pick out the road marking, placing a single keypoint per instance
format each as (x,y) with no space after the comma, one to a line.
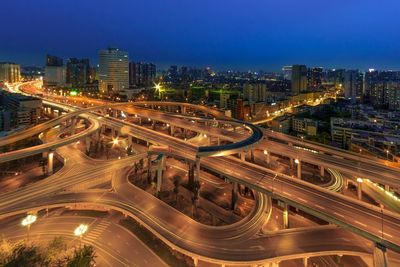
(360,223)
(385,234)
(302,199)
(338,214)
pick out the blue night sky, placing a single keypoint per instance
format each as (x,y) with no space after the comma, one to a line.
(224,34)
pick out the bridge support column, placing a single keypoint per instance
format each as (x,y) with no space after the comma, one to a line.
(195,262)
(387,188)
(274,264)
(172,130)
(218,141)
(87,142)
(305,261)
(130,140)
(266,153)
(322,171)
(243,155)
(50,158)
(234,195)
(285,216)
(160,167)
(380,256)
(153,125)
(148,168)
(359,189)
(197,170)
(298,162)
(252,155)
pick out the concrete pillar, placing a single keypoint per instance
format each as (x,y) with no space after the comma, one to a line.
(359,190)
(299,169)
(183,110)
(172,130)
(130,140)
(305,261)
(153,125)
(197,170)
(291,162)
(285,216)
(50,158)
(268,156)
(380,256)
(387,188)
(160,167)
(218,141)
(322,171)
(195,262)
(234,195)
(87,142)
(252,155)
(243,156)
(148,167)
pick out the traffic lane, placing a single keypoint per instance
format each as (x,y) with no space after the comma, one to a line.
(343,210)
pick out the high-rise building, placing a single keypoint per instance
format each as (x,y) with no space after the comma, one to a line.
(353,85)
(113,71)
(53,61)
(78,72)
(314,78)
(54,72)
(10,72)
(382,88)
(287,72)
(141,74)
(255,92)
(299,79)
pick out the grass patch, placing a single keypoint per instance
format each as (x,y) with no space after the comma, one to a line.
(170,257)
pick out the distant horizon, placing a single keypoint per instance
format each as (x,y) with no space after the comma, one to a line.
(239,35)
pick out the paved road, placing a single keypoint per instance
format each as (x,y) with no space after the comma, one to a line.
(115,245)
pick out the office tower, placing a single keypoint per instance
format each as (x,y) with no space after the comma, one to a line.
(255,92)
(141,74)
(314,78)
(299,79)
(353,85)
(10,72)
(78,72)
(55,72)
(113,71)
(287,72)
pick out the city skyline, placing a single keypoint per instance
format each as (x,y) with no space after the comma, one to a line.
(239,36)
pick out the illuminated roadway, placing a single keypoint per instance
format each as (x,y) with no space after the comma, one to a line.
(347,212)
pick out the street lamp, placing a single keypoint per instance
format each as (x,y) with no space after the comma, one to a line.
(27,221)
(296,161)
(387,154)
(80,230)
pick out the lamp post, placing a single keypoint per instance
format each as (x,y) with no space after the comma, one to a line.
(27,221)
(79,231)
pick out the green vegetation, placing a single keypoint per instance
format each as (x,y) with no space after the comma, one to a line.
(55,253)
(172,258)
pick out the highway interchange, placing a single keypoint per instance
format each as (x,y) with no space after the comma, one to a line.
(217,245)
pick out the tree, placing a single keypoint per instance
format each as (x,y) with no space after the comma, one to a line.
(83,257)
(23,255)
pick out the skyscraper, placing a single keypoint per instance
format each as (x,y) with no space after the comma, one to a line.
(314,78)
(113,71)
(353,85)
(299,78)
(78,72)
(55,73)
(141,74)
(10,72)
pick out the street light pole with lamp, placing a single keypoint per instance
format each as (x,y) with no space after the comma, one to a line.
(79,231)
(27,221)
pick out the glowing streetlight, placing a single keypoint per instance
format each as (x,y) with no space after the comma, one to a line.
(27,221)
(115,141)
(265,152)
(359,180)
(80,230)
(296,161)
